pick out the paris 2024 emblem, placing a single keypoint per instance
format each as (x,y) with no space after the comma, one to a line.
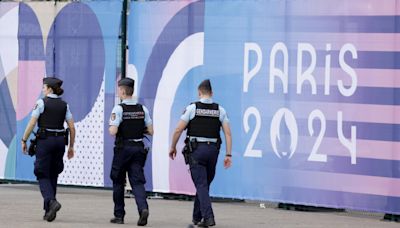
(287,116)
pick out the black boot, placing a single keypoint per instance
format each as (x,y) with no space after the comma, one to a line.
(144,214)
(207,222)
(54,206)
(195,221)
(117,220)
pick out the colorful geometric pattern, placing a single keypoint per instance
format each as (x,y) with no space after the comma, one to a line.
(310,88)
(76,42)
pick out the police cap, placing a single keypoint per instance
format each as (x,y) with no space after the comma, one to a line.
(126,82)
(52,81)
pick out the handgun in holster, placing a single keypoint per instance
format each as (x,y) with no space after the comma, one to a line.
(66,136)
(186,154)
(186,151)
(190,146)
(32,146)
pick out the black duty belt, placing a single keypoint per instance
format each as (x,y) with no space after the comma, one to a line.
(208,143)
(132,143)
(55,133)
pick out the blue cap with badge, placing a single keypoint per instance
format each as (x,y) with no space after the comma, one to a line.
(52,81)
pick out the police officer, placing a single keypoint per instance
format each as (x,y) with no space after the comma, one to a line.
(50,113)
(129,122)
(203,120)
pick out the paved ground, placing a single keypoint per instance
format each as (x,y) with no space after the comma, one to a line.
(20,206)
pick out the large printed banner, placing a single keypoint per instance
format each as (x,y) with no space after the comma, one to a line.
(310,88)
(78,43)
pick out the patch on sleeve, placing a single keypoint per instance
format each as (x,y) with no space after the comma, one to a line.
(36,106)
(184,111)
(113,116)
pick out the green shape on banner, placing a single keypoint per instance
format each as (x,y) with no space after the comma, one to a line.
(9,172)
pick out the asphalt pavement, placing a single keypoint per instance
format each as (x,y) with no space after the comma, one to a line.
(21,206)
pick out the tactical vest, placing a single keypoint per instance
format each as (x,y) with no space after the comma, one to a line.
(132,125)
(206,121)
(53,115)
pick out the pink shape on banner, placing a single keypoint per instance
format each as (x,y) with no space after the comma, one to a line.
(30,75)
(344,8)
(341,182)
(179,175)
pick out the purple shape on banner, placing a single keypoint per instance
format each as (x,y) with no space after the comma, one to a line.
(30,38)
(367,131)
(365,59)
(7,117)
(363,95)
(338,164)
(75,43)
(344,24)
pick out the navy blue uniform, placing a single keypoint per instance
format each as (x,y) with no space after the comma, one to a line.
(129,154)
(51,112)
(204,120)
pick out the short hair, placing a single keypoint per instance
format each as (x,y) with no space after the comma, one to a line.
(205,87)
(128,90)
(127,82)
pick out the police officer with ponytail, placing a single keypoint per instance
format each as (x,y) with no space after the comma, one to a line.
(50,113)
(129,122)
(203,120)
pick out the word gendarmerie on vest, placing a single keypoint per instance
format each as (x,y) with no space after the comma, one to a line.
(207,112)
(133,115)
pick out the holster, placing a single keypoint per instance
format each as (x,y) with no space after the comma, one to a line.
(66,136)
(190,146)
(32,146)
(186,154)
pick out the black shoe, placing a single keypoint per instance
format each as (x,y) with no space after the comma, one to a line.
(144,214)
(117,220)
(54,206)
(387,217)
(391,218)
(207,222)
(45,216)
(195,221)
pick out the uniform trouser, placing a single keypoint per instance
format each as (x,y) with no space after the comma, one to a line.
(48,165)
(129,159)
(202,170)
